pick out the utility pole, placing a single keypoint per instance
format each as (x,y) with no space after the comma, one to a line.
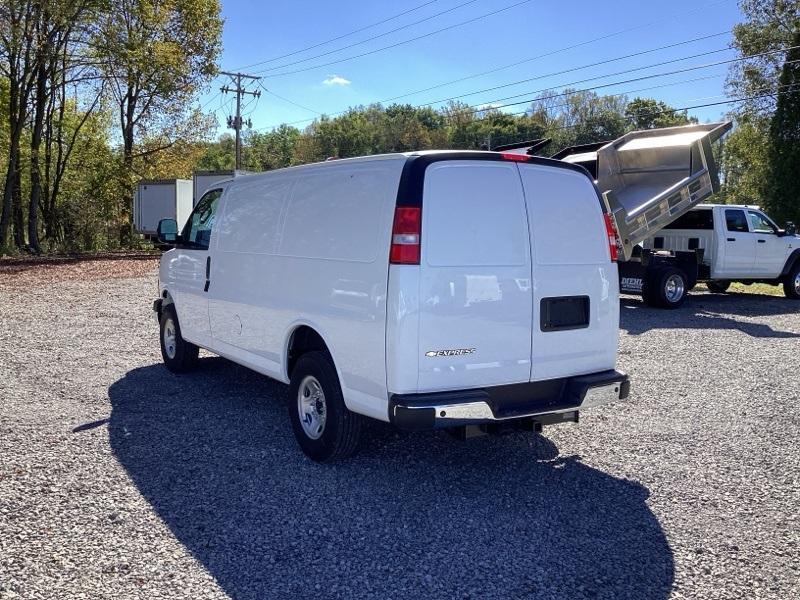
(236,122)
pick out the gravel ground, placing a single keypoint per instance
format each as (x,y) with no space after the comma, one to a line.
(120,480)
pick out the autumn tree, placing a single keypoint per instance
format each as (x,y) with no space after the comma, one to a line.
(17,61)
(156,55)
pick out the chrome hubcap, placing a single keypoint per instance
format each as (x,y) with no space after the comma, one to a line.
(797,283)
(170,338)
(311,407)
(674,288)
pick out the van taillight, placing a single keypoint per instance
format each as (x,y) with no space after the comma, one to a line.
(405,236)
(611,231)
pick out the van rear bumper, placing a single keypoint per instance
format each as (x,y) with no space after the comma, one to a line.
(502,403)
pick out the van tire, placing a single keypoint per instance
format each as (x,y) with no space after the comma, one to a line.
(791,285)
(660,289)
(341,430)
(720,286)
(179,355)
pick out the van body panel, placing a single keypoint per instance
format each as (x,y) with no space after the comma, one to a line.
(571,261)
(402,329)
(475,290)
(309,245)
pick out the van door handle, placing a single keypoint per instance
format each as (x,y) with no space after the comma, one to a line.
(208,273)
(731,239)
(762,241)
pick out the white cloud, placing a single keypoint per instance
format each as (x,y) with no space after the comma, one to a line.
(336,80)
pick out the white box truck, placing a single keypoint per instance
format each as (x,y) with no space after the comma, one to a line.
(203,180)
(158,199)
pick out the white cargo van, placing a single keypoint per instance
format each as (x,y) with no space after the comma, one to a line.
(435,289)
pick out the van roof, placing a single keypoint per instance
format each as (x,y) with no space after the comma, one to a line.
(431,156)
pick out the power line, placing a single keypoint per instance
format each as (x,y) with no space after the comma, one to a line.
(631,80)
(581,67)
(396,44)
(640,114)
(680,15)
(578,68)
(618,94)
(292,102)
(473,109)
(513,83)
(236,122)
(337,38)
(370,39)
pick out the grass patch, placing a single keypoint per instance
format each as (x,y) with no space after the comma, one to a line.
(757,288)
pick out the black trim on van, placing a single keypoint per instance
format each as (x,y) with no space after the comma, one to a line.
(412,181)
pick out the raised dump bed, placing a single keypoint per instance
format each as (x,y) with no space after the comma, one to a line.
(650,178)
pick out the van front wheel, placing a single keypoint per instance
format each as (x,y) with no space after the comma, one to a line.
(179,355)
(325,429)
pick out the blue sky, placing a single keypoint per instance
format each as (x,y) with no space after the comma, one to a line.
(256,32)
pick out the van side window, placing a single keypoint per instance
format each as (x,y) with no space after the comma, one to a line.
(197,231)
(735,220)
(759,223)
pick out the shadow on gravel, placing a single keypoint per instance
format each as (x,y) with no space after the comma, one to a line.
(417,516)
(710,311)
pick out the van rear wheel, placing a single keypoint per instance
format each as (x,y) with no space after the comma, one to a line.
(665,288)
(179,355)
(323,426)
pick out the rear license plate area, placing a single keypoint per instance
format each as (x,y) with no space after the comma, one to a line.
(563,313)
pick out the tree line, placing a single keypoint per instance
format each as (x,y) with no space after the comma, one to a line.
(567,117)
(97,94)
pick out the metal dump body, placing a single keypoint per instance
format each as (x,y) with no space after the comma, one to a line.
(650,178)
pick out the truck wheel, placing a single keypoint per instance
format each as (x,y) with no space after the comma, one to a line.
(179,355)
(719,286)
(325,429)
(791,285)
(665,288)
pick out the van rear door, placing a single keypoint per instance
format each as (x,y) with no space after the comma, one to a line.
(575,286)
(475,277)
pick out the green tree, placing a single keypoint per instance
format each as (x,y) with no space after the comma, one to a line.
(648,113)
(769,26)
(156,55)
(743,163)
(782,184)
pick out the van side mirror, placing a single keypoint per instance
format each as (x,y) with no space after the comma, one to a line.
(167,232)
(790,228)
